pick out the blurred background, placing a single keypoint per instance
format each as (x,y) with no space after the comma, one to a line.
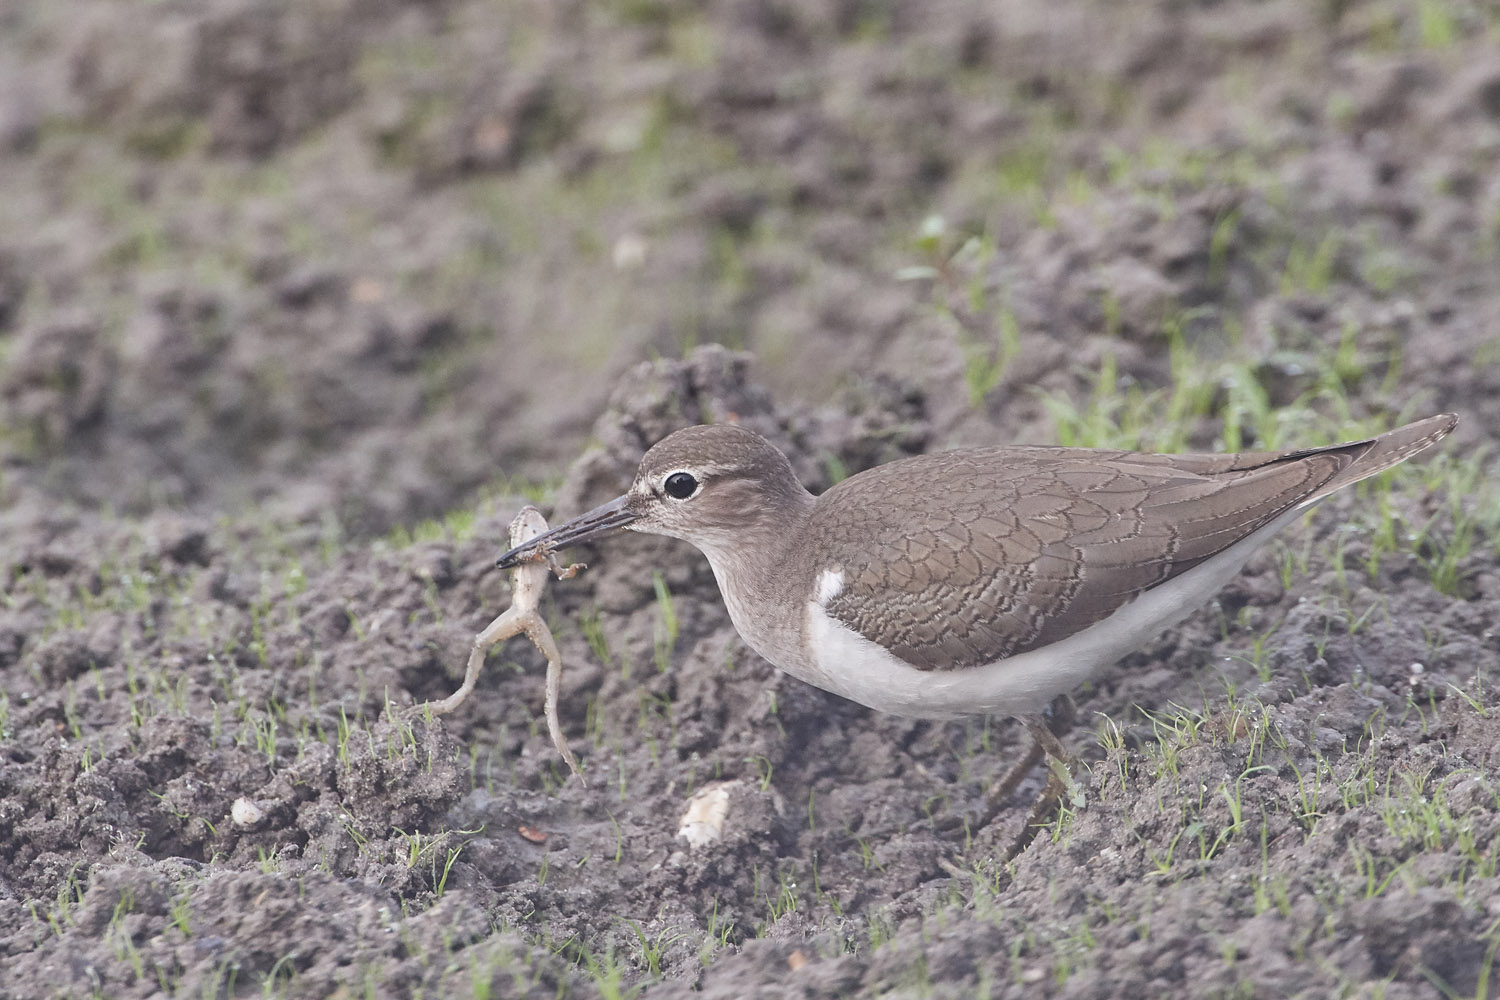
(364,258)
(299,298)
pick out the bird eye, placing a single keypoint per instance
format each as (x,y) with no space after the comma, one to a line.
(680,485)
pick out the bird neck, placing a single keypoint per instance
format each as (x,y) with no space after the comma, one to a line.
(759,574)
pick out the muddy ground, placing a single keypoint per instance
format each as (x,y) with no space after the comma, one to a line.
(299,302)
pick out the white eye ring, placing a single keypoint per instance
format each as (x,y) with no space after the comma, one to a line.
(681,485)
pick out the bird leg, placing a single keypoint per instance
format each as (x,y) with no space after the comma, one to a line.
(522,616)
(1044,728)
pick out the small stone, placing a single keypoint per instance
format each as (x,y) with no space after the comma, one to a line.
(703,822)
(245,813)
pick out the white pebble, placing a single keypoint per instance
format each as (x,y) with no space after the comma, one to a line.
(245,813)
(703,823)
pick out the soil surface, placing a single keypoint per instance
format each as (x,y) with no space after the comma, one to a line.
(301,301)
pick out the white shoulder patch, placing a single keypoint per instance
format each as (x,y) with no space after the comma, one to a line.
(830,585)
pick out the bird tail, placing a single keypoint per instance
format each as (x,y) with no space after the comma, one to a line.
(1375,455)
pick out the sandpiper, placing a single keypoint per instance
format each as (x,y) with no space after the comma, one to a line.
(978,581)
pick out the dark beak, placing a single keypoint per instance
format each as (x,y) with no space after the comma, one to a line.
(582,528)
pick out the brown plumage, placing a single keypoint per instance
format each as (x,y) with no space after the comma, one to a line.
(1030,545)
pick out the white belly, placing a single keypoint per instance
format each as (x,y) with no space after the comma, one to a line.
(848,664)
